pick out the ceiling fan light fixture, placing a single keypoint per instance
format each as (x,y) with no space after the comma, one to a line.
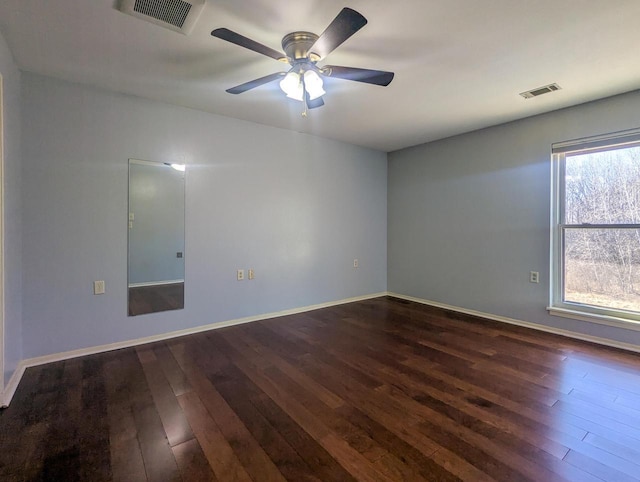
(304,81)
(292,86)
(313,84)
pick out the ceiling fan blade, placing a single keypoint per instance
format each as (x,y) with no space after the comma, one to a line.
(343,26)
(375,77)
(315,103)
(247,43)
(239,89)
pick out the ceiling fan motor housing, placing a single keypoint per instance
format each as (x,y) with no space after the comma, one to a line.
(297,44)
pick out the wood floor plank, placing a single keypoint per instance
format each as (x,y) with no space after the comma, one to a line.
(484,392)
(274,333)
(317,458)
(327,397)
(352,460)
(458,395)
(255,460)
(126,458)
(93,432)
(290,464)
(406,452)
(174,422)
(474,454)
(600,417)
(459,467)
(628,401)
(352,434)
(598,469)
(353,457)
(592,397)
(192,462)
(610,410)
(456,427)
(614,448)
(159,462)
(175,376)
(59,448)
(29,461)
(252,457)
(216,448)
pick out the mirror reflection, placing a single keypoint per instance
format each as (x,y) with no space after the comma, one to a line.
(156,237)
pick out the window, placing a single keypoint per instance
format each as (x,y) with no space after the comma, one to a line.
(596,228)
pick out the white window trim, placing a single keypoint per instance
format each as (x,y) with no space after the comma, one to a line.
(558,307)
(594,318)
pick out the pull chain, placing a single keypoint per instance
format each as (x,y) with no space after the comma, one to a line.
(304,96)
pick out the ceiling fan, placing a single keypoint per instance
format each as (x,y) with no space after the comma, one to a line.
(303,50)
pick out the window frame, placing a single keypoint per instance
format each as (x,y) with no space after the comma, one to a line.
(557,304)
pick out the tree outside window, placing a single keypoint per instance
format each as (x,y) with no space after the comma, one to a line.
(596,251)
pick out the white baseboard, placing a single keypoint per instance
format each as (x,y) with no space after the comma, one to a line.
(11,387)
(156,283)
(525,324)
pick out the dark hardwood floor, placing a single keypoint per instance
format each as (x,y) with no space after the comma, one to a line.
(376,390)
(155,298)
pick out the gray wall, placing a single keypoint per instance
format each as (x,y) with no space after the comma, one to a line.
(12,212)
(468,216)
(156,235)
(295,208)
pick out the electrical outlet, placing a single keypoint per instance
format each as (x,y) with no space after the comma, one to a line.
(240,274)
(355,263)
(98,287)
(251,274)
(534,277)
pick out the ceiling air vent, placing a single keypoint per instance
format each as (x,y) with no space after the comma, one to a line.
(529,94)
(177,15)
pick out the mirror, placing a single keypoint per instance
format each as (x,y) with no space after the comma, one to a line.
(156,237)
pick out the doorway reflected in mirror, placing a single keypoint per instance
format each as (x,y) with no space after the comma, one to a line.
(156,237)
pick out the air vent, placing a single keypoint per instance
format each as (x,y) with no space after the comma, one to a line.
(529,94)
(177,15)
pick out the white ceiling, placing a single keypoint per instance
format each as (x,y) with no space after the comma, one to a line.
(459,64)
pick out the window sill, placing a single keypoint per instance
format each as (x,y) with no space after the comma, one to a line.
(595,318)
